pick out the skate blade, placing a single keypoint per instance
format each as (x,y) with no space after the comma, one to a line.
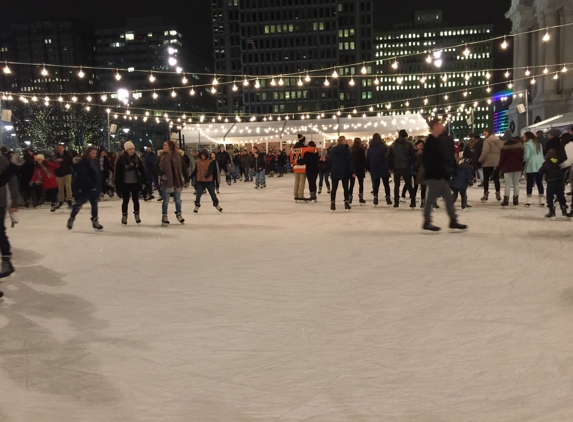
(430,232)
(457,231)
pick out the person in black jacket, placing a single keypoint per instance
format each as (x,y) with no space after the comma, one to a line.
(438,169)
(224,160)
(282,162)
(341,170)
(377,165)
(26,174)
(359,157)
(401,156)
(312,160)
(260,165)
(86,187)
(324,171)
(555,183)
(130,177)
(64,176)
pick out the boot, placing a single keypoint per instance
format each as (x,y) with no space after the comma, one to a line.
(264,185)
(96,225)
(498,196)
(430,228)
(165,220)
(256,186)
(53,208)
(137,219)
(505,202)
(319,191)
(564,210)
(328,190)
(528,201)
(6,269)
(465,202)
(313,197)
(541,200)
(197,206)
(396,201)
(388,201)
(218,208)
(454,225)
(70,224)
(179,218)
(332,206)
(413,203)
(485,197)
(347,206)
(515,201)
(70,203)
(423,203)
(376,201)
(361,200)
(350,200)
(551,213)
(124,219)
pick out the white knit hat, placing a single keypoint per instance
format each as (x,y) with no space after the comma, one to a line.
(128,145)
(40,157)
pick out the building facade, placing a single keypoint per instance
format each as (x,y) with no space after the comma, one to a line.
(281,37)
(428,82)
(548,96)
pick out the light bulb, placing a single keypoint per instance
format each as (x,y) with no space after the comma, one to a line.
(351,82)
(184,80)
(215,81)
(299,83)
(556,76)
(104,98)
(364,70)
(34,98)
(257,84)
(246,82)
(376,81)
(487,75)
(151,78)
(504,43)
(67,105)
(467,77)
(546,37)
(147,113)
(488,89)
(334,74)
(60,99)
(117,75)
(235,87)
(192,92)
(510,85)
(44,72)
(425,101)
(273,82)
(6,68)
(88,108)
(564,69)
(533,81)
(423,80)
(546,71)
(307,78)
(74,98)
(81,73)
(89,99)
(407,103)
(429,59)
(506,74)
(326,83)
(466,52)
(179,69)
(173,94)
(445,78)
(281,81)
(527,72)
(446,97)
(213,90)
(465,93)
(395,65)
(155,95)
(399,80)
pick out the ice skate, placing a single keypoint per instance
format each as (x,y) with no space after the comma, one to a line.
(313,198)
(422,203)
(179,218)
(124,219)
(361,200)
(498,196)
(485,197)
(218,208)
(7,268)
(564,211)
(53,207)
(551,214)
(528,201)
(516,201)
(505,202)
(332,206)
(319,191)
(429,228)
(375,201)
(164,221)
(327,190)
(388,201)
(541,200)
(347,206)
(70,224)
(137,218)
(413,203)
(456,227)
(350,200)
(96,225)
(196,210)
(256,186)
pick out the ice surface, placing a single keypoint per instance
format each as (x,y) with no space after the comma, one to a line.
(276,311)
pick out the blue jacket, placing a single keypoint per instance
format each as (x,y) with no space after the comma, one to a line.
(463,176)
(376,162)
(341,163)
(150,158)
(87,178)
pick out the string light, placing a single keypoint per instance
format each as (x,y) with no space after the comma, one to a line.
(506,74)
(429,59)
(257,84)
(407,103)
(364,70)
(423,80)
(446,97)
(399,80)
(376,81)
(7,70)
(104,98)
(44,72)
(89,98)
(299,83)
(445,77)
(326,83)
(488,89)
(546,37)
(34,98)
(334,74)
(273,82)
(510,85)
(351,82)
(504,43)
(88,108)
(192,92)
(527,72)
(74,98)
(235,88)
(117,75)
(556,75)
(213,90)
(173,94)
(184,80)
(546,71)
(533,81)
(68,106)
(151,77)
(488,75)
(467,77)
(281,81)
(466,52)
(154,95)
(215,81)
(60,99)
(81,73)
(564,69)
(395,64)
(307,78)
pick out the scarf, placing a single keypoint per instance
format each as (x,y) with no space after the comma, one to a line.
(172,179)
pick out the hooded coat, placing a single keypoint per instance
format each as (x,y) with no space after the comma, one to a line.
(401,154)
(511,157)
(341,163)
(491,151)
(376,162)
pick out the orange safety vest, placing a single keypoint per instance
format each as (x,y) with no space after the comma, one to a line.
(298,154)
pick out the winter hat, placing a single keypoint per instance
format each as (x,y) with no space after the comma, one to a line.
(128,145)
(507,136)
(403,134)
(40,157)
(556,133)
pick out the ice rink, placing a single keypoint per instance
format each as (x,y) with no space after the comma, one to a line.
(276,311)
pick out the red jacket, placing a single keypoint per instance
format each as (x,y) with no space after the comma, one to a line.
(511,158)
(44,174)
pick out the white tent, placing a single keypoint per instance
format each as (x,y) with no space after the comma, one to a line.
(562,121)
(318,130)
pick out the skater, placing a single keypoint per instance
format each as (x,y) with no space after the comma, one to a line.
(282,162)
(64,176)
(378,167)
(478,148)
(224,161)
(260,163)
(204,172)
(12,185)
(533,157)
(341,170)
(174,176)
(299,169)
(324,171)
(130,177)
(311,162)
(149,159)
(105,168)
(217,174)
(359,157)
(44,177)
(555,184)
(247,163)
(401,155)
(86,187)
(489,160)
(419,179)
(462,179)
(511,165)
(439,166)
(26,173)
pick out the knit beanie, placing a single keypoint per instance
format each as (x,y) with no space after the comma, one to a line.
(40,157)
(128,145)
(556,133)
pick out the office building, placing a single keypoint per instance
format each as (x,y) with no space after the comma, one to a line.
(281,37)
(433,75)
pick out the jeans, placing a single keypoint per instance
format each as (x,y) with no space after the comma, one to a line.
(407,176)
(535,178)
(345,183)
(248,174)
(153,179)
(299,182)
(437,188)
(323,175)
(376,186)
(201,187)
(176,197)
(556,190)
(360,185)
(127,190)
(480,174)
(311,177)
(260,177)
(81,199)
(281,170)
(4,243)
(512,181)
(488,173)
(65,188)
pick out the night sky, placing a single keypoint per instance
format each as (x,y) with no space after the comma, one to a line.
(194,16)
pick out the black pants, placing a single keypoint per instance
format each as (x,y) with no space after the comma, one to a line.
(81,198)
(463,192)
(405,189)
(407,176)
(345,183)
(376,186)
(556,190)
(311,177)
(127,190)
(4,243)
(52,195)
(209,187)
(360,185)
(422,190)
(490,173)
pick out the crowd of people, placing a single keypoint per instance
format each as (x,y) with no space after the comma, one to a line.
(434,166)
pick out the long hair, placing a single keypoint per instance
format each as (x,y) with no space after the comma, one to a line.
(171,146)
(531,137)
(88,151)
(357,145)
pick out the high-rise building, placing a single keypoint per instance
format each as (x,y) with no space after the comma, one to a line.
(552,93)
(419,70)
(281,37)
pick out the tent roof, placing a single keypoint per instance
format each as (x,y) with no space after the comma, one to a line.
(274,131)
(559,121)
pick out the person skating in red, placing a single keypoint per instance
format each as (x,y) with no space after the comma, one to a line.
(44,177)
